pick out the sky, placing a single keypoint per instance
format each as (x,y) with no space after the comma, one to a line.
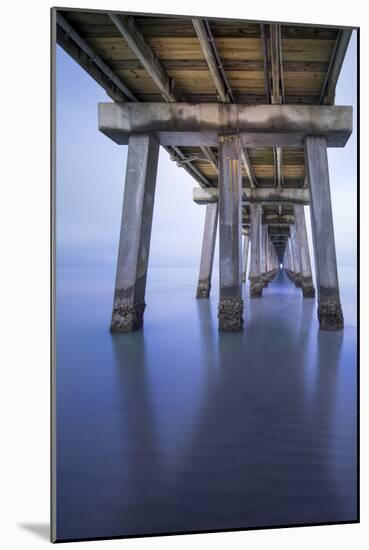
(90,182)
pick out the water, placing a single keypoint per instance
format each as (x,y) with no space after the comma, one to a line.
(179,427)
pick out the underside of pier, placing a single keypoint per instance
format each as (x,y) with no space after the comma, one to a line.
(247,109)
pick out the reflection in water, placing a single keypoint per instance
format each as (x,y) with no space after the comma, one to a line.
(140,455)
(179,427)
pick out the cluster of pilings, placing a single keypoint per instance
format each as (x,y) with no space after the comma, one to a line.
(230,127)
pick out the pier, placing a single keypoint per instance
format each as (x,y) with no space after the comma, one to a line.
(248,110)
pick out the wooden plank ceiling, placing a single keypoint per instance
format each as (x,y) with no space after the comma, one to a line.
(245,52)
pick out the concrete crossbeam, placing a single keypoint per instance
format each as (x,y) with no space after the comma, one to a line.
(278,221)
(277,232)
(271,220)
(264,195)
(192,124)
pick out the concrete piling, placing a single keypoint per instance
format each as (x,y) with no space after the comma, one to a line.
(230,309)
(207,251)
(256,284)
(329,304)
(135,234)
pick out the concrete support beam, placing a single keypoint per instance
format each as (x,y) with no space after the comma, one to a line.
(287,256)
(278,221)
(230,309)
(271,263)
(207,252)
(263,255)
(292,258)
(296,256)
(329,304)
(264,195)
(290,268)
(134,243)
(279,231)
(192,124)
(245,254)
(307,285)
(256,286)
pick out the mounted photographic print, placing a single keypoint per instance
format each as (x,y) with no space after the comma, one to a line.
(204,368)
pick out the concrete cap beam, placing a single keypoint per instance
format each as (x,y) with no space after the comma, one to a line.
(192,124)
(265,195)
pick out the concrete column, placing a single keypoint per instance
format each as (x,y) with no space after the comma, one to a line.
(287,256)
(230,309)
(292,258)
(285,259)
(290,263)
(307,285)
(296,255)
(271,259)
(256,286)
(207,252)
(263,273)
(329,304)
(134,242)
(245,253)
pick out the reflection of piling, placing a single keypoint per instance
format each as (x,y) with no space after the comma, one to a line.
(139,463)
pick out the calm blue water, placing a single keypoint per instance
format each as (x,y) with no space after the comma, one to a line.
(178,427)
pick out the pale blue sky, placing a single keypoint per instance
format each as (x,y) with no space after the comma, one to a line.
(90,182)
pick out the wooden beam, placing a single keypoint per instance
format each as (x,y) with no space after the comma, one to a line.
(71,48)
(248,166)
(177,155)
(90,61)
(128,28)
(338,55)
(277,79)
(210,59)
(275,54)
(265,62)
(211,157)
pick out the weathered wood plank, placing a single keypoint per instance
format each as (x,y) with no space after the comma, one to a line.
(243,65)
